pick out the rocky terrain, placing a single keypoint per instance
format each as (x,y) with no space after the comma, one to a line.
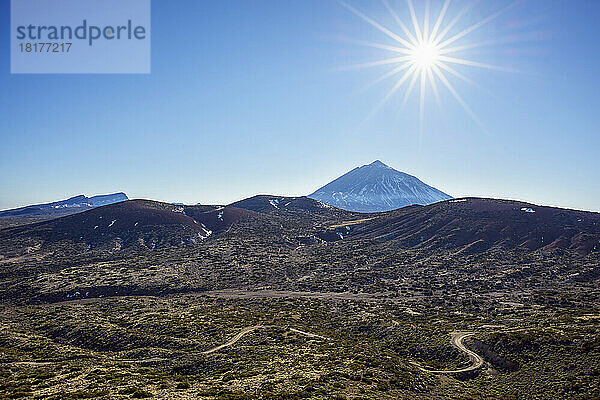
(288,298)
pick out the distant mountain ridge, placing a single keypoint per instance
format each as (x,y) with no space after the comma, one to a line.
(377,187)
(65,207)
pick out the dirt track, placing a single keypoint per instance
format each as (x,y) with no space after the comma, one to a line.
(233,339)
(457,338)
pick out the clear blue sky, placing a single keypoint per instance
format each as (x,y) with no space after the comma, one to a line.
(250,97)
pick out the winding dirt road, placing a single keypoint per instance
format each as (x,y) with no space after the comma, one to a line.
(234,339)
(456,339)
(249,329)
(312,335)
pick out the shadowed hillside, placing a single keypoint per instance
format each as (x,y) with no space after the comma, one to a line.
(477,225)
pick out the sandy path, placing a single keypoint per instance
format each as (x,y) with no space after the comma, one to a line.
(233,339)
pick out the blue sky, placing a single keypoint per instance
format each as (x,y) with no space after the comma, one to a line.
(250,97)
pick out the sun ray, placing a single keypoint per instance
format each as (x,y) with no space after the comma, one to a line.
(439,20)
(392,91)
(434,88)
(422,102)
(463,77)
(396,49)
(450,25)
(403,26)
(389,74)
(456,49)
(475,26)
(426,22)
(456,73)
(380,62)
(411,86)
(413,16)
(455,60)
(502,40)
(457,96)
(376,24)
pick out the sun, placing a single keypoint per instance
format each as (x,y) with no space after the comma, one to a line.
(425,54)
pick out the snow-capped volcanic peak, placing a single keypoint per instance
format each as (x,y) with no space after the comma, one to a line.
(376,187)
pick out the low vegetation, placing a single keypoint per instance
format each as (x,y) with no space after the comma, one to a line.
(258,311)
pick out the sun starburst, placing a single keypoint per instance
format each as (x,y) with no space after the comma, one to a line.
(425,53)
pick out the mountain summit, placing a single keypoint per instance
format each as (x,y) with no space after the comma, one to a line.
(376,187)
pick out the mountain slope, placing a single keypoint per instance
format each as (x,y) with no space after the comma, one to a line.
(133,223)
(475,225)
(304,208)
(64,207)
(376,187)
(140,224)
(465,226)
